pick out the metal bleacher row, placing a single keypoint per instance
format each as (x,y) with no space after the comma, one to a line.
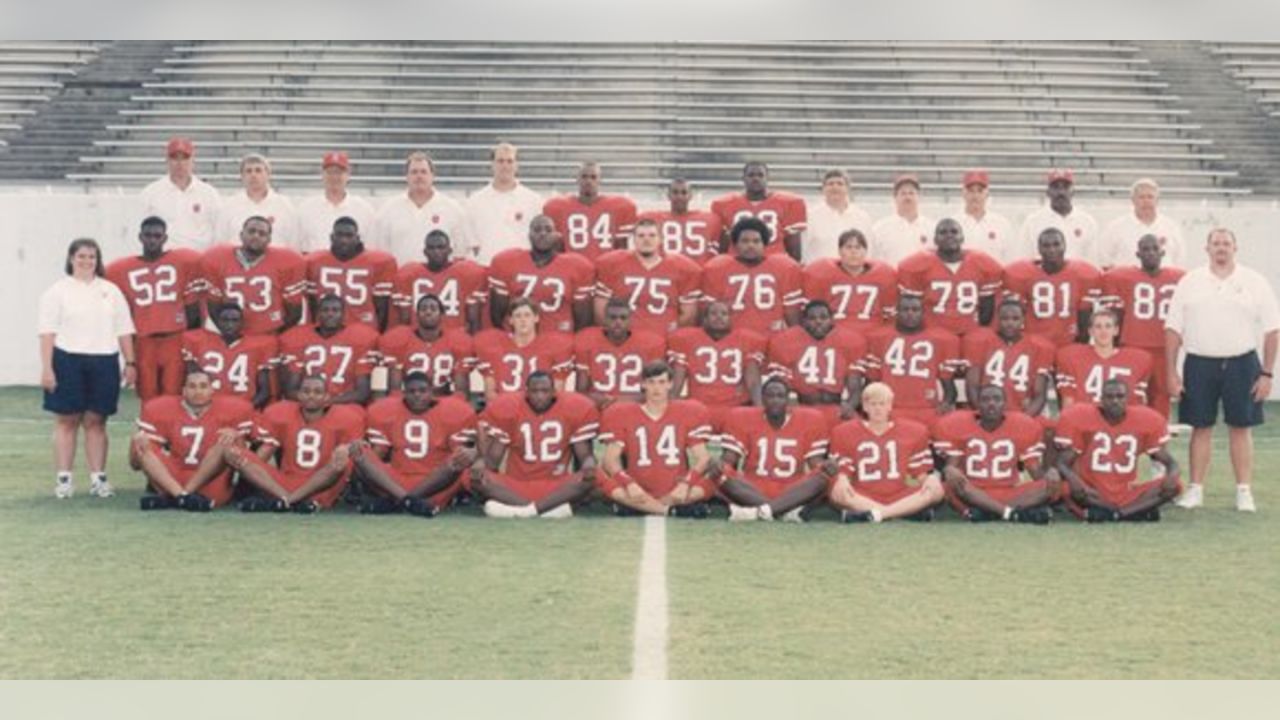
(1257,66)
(30,72)
(651,112)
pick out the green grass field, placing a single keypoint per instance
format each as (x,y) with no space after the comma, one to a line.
(94,588)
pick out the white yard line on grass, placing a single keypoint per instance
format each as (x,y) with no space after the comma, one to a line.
(649,661)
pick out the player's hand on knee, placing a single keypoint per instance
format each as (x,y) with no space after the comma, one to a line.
(228,436)
(341,456)
(714,470)
(463,458)
(235,457)
(830,467)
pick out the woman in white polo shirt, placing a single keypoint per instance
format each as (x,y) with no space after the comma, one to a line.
(84,327)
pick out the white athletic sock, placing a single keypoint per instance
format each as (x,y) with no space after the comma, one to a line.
(97,477)
(64,477)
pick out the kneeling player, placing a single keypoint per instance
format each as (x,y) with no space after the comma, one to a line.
(539,434)
(986,453)
(655,458)
(876,458)
(420,448)
(181,442)
(1099,446)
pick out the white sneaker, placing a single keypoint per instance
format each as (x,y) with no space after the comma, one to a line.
(102,489)
(495,509)
(63,489)
(742,513)
(793,516)
(559,512)
(1244,499)
(1192,497)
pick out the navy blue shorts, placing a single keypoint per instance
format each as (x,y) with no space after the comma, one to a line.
(1206,382)
(86,383)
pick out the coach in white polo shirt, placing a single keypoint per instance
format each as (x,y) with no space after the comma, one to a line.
(498,214)
(317,213)
(257,198)
(187,204)
(1119,241)
(905,232)
(984,230)
(831,216)
(403,221)
(1217,314)
(1077,226)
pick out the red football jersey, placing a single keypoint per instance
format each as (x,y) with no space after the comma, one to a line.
(159,292)
(810,365)
(1109,453)
(912,365)
(403,349)
(1015,367)
(783,212)
(461,284)
(233,368)
(655,449)
(420,443)
(1144,300)
(776,453)
(993,457)
(860,303)
(498,357)
(262,290)
(756,294)
(1082,372)
(950,293)
(615,369)
(654,294)
(341,358)
(539,445)
(554,286)
(168,422)
(695,234)
(716,370)
(305,446)
(590,230)
(901,452)
(370,274)
(1053,301)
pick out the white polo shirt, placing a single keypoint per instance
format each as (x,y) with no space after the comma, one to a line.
(499,220)
(895,238)
(993,234)
(401,225)
(316,215)
(237,208)
(191,215)
(1119,241)
(822,235)
(1222,317)
(1078,227)
(86,318)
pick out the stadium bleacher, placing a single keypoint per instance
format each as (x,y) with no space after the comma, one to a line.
(30,72)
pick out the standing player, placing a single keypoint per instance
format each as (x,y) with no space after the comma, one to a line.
(1019,364)
(958,286)
(609,360)
(404,220)
(762,291)
(1059,293)
(861,292)
(1078,227)
(506,359)
(268,283)
(831,218)
(989,232)
(821,363)
(661,290)
(257,198)
(363,278)
(783,213)
(1083,369)
(445,356)
(695,234)
(914,361)
(906,232)
(461,285)
(589,223)
(1121,237)
(317,214)
(186,203)
(162,288)
(539,437)
(344,355)
(237,365)
(560,283)
(719,363)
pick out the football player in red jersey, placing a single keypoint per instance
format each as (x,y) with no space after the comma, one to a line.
(876,458)
(345,355)
(1082,369)
(763,291)
(506,359)
(862,292)
(268,283)
(180,442)
(1142,294)
(773,458)
(590,223)
(461,284)
(363,278)
(1098,450)
(785,214)
(420,446)
(958,286)
(237,365)
(914,361)
(662,290)
(1019,364)
(695,234)
(312,440)
(987,452)
(1059,293)
(655,457)
(821,363)
(609,360)
(562,284)
(162,288)
(719,363)
(540,435)
(445,356)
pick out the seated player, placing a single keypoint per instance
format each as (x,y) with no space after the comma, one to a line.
(958,286)
(885,465)
(718,363)
(561,284)
(1019,364)
(862,292)
(762,291)
(655,452)
(987,452)
(311,441)
(343,354)
(773,458)
(915,361)
(446,356)
(461,284)
(533,442)
(1058,293)
(608,360)
(420,446)
(238,365)
(506,359)
(363,278)
(822,363)
(661,289)
(180,442)
(1082,369)
(1098,450)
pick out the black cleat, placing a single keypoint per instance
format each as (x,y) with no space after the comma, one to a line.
(195,503)
(925,515)
(624,511)
(1033,516)
(1100,515)
(1152,515)
(693,511)
(256,504)
(156,502)
(378,506)
(306,507)
(419,508)
(978,515)
(849,517)
(464,498)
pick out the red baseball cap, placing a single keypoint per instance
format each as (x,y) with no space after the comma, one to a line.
(180,146)
(336,157)
(976,177)
(904,179)
(1057,174)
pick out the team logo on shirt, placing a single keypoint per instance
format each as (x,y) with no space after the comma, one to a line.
(435,219)
(1079,232)
(195,207)
(991,234)
(519,216)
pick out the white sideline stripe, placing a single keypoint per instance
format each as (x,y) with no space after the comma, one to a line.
(649,660)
